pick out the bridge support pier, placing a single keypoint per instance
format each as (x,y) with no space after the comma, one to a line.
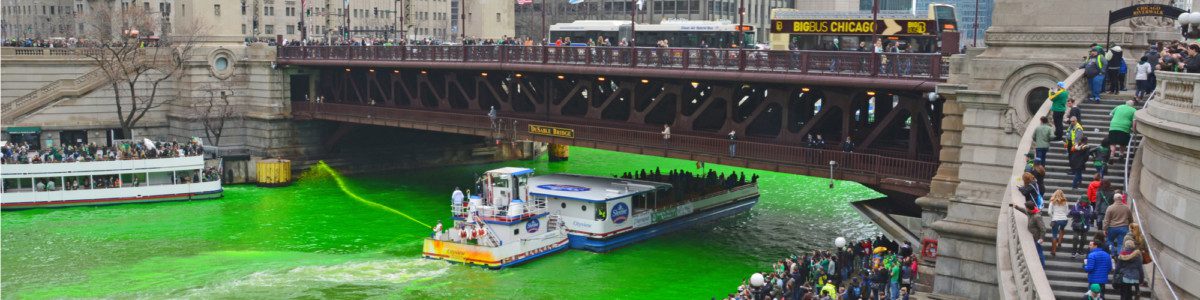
(559,152)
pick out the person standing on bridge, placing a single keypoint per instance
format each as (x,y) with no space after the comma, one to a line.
(732,143)
(1058,107)
(492,115)
(666,135)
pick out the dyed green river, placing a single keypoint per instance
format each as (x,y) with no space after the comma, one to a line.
(312,240)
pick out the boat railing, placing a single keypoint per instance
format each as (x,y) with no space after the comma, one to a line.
(499,214)
(709,195)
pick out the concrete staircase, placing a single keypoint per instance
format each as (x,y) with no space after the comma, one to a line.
(1065,273)
(52,93)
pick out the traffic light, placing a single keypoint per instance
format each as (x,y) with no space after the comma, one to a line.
(308,12)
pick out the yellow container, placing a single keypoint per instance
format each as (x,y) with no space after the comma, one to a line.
(559,152)
(274,172)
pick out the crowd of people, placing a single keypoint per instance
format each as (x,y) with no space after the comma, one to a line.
(25,153)
(1116,253)
(688,185)
(867,269)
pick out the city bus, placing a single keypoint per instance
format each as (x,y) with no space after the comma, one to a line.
(936,32)
(678,33)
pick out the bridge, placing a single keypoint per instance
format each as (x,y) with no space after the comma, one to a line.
(618,98)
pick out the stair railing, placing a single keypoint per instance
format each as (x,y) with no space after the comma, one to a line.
(1133,204)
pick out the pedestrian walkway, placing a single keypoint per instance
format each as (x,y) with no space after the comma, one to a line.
(1066,274)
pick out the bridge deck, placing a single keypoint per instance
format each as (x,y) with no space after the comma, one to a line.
(900,71)
(881,171)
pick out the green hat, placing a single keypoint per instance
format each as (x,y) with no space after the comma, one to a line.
(1095,288)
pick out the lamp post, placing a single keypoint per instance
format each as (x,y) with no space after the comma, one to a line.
(831,164)
(975,31)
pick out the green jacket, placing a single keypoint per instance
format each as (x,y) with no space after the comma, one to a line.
(1058,100)
(1041,136)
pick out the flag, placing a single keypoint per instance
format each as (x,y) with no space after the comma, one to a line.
(575,1)
(523,2)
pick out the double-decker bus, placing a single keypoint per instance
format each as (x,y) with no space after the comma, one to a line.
(901,31)
(677,33)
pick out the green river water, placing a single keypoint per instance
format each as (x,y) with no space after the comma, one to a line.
(312,240)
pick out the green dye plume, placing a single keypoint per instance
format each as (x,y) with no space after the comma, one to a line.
(321,167)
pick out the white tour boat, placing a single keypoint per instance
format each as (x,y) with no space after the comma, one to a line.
(603,213)
(125,181)
(502,227)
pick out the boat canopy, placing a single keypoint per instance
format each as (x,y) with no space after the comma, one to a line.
(590,188)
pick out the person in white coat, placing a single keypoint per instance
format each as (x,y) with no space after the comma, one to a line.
(1143,79)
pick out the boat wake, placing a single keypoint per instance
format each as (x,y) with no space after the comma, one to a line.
(365,277)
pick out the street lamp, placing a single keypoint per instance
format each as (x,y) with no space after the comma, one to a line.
(1190,25)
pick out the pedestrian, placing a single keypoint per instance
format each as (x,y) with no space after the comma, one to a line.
(1120,127)
(1113,70)
(1078,159)
(1058,107)
(1193,62)
(1073,111)
(848,145)
(1059,211)
(1037,228)
(1116,222)
(1097,265)
(1031,191)
(732,143)
(1041,139)
(666,135)
(1093,292)
(1081,222)
(1075,134)
(1142,79)
(1093,70)
(1102,200)
(1129,270)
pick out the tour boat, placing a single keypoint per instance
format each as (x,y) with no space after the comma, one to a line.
(603,213)
(126,181)
(499,228)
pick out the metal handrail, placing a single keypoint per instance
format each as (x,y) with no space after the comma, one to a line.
(1133,204)
(1021,274)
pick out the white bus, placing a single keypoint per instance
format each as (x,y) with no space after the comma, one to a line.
(678,33)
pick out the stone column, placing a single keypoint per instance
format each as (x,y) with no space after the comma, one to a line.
(1165,182)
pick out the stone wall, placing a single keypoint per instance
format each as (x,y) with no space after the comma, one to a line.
(1166,181)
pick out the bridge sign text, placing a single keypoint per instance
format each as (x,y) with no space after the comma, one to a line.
(552,131)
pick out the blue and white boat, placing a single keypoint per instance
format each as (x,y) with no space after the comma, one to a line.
(603,213)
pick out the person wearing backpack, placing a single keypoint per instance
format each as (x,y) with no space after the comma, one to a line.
(1080,216)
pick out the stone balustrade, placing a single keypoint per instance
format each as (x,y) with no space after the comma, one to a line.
(1021,273)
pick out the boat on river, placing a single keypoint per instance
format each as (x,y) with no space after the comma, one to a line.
(106,182)
(499,228)
(604,213)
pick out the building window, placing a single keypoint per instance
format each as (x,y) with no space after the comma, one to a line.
(291,29)
(216,9)
(497,17)
(243,28)
(269,29)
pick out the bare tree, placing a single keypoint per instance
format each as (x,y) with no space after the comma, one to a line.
(214,111)
(136,62)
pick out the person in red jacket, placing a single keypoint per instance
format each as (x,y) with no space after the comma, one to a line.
(1094,187)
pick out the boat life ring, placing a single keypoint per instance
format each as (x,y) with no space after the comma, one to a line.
(462,233)
(479,232)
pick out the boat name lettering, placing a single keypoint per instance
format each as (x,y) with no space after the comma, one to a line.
(552,131)
(620,213)
(673,212)
(564,188)
(581,224)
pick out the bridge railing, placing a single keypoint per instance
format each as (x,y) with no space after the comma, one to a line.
(858,166)
(843,63)
(1021,273)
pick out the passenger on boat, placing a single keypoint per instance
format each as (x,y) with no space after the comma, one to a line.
(437,231)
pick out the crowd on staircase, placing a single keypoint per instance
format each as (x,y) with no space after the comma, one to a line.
(1105,240)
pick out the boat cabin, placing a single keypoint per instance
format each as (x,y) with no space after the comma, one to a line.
(598,206)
